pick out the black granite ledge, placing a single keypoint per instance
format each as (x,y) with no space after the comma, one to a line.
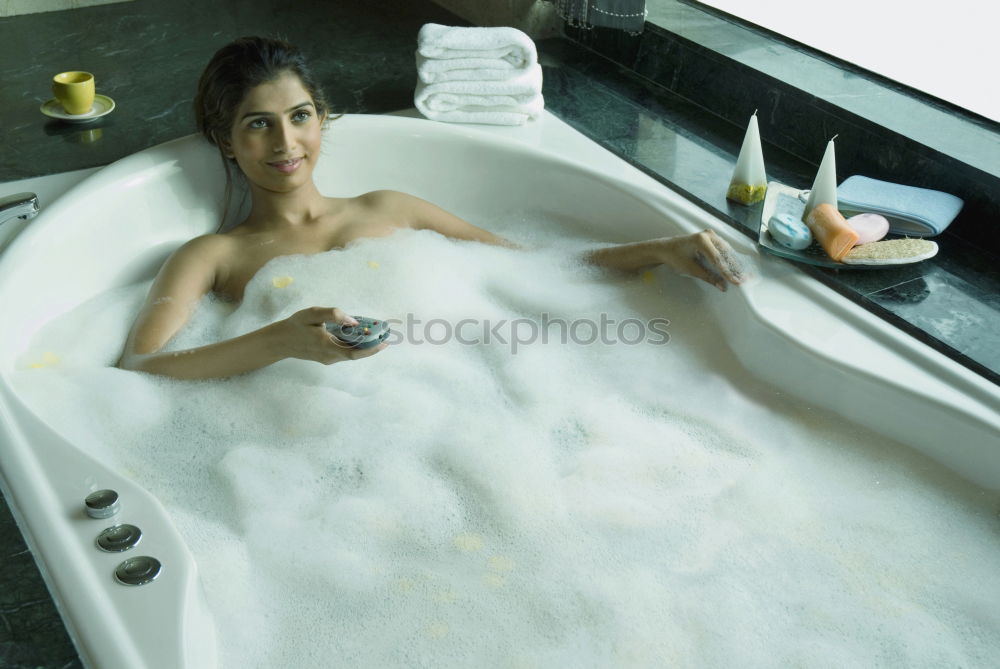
(885,130)
(968,137)
(32,634)
(148,55)
(951,302)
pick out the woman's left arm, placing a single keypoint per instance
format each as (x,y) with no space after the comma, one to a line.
(423,215)
(703,255)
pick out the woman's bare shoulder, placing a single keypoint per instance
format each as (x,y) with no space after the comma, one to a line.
(407,210)
(208,253)
(386,200)
(214,244)
(402,208)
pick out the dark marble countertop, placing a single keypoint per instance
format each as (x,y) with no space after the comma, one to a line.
(951,302)
(147,56)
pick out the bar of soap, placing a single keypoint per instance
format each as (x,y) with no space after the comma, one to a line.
(789,231)
(831,231)
(870,227)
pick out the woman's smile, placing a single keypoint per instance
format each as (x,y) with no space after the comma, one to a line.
(287,166)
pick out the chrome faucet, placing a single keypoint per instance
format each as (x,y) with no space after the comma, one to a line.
(19,205)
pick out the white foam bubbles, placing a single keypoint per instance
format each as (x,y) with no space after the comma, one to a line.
(572,504)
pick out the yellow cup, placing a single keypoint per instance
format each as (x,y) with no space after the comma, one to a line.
(75,91)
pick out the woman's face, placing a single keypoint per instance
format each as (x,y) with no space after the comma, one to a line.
(276,135)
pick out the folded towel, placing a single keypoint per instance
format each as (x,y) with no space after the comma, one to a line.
(912,211)
(506,44)
(434,70)
(492,115)
(507,102)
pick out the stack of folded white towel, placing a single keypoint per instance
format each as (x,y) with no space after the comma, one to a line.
(477,75)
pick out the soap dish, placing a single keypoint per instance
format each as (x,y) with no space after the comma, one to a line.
(782,199)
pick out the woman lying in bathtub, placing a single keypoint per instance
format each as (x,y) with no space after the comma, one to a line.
(258,102)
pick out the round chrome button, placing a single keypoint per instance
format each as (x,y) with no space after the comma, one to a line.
(102,504)
(138,570)
(119,538)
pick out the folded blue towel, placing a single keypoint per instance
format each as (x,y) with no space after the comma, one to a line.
(911,211)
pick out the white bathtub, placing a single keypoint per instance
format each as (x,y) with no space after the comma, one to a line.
(117,226)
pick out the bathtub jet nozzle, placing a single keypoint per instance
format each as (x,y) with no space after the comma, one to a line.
(102,504)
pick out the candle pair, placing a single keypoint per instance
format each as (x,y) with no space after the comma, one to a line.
(827,225)
(749,182)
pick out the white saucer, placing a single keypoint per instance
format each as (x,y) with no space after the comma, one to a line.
(103,105)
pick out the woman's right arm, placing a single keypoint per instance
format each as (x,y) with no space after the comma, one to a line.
(185,278)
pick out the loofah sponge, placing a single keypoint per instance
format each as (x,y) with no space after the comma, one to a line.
(891,252)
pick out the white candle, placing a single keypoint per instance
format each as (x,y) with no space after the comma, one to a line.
(824,188)
(749,182)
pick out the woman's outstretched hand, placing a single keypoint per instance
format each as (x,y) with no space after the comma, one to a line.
(703,255)
(306,336)
(706,256)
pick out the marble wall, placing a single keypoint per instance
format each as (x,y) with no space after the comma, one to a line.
(535,17)
(18,7)
(147,56)
(883,131)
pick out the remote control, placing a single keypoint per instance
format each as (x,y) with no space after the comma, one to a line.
(367,333)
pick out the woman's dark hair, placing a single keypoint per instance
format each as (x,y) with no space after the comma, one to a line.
(233,71)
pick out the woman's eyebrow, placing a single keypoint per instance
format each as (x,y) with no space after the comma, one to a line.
(307,103)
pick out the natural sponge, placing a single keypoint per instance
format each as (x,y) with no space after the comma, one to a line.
(891,252)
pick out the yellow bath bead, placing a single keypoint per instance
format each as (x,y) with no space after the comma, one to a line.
(282,281)
(495,580)
(437,630)
(648,276)
(445,596)
(468,543)
(48,358)
(373,264)
(500,564)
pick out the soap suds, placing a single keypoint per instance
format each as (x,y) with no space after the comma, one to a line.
(570,505)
